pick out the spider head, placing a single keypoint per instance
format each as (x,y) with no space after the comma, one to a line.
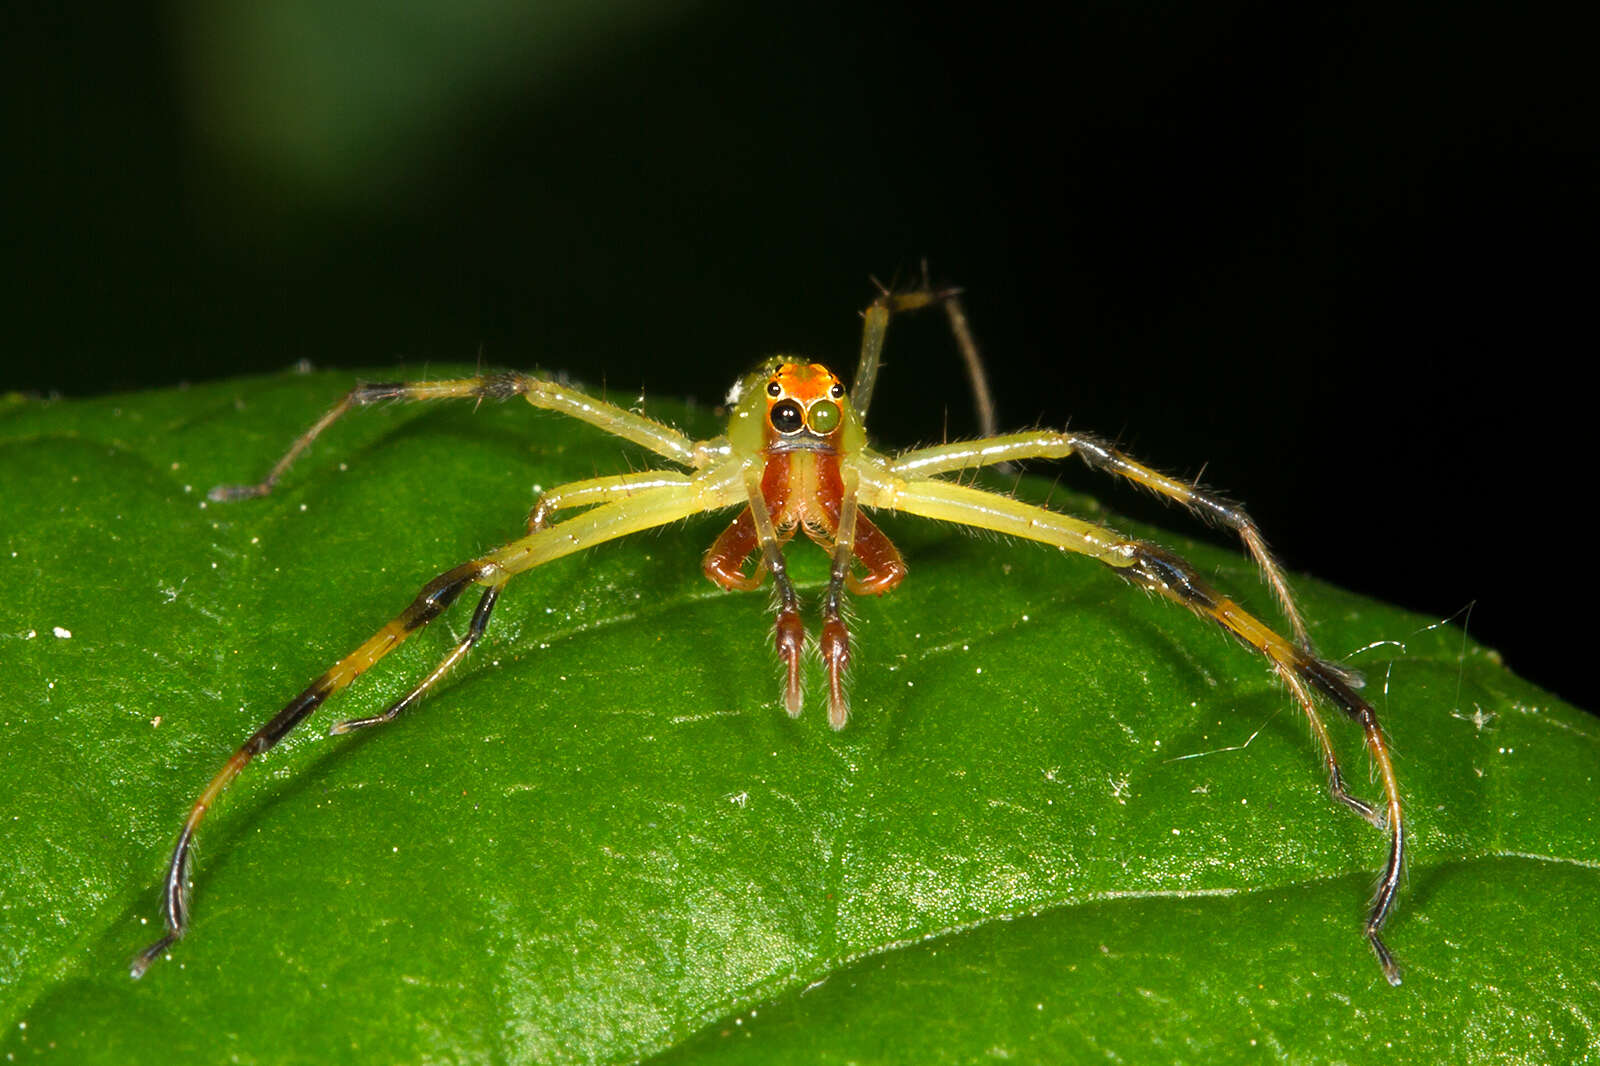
(786,405)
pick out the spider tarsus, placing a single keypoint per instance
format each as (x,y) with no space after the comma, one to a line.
(1391,969)
(838,707)
(351,725)
(1342,793)
(229,493)
(141,962)
(1367,811)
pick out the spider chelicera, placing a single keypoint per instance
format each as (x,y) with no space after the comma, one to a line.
(796,458)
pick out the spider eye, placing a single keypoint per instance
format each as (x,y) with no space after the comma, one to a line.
(787,417)
(774,389)
(837,392)
(824,416)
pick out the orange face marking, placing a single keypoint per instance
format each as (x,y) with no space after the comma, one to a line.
(805,381)
(803,404)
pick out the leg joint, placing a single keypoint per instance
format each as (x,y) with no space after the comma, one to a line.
(1154,568)
(439,594)
(378,391)
(501,386)
(1332,682)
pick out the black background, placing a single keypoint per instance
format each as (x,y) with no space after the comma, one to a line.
(1343,259)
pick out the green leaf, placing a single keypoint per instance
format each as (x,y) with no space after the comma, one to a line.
(1067,822)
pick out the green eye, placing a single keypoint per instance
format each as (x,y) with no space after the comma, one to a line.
(824,416)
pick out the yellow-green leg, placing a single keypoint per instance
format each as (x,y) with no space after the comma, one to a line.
(1160,571)
(1099,455)
(644,509)
(599,490)
(875,327)
(541,393)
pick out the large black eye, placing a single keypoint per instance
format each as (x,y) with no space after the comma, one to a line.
(837,392)
(774,389)
(787,417)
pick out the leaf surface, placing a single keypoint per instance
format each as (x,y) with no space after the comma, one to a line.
(1067,822)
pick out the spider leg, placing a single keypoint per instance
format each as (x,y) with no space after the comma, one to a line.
(480,622)
(875,326)
(576,494)
(835,641)
(1330,758)
(1099,455)
(713,489)
(435,596)
(598,490)
(789,632)
(1160,571)
(549,395)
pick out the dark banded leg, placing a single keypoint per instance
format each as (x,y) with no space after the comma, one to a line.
(1160,570)
(1099,455)
(1210,508)
(435,596)
(1337,788)
(1330,681)
(886,485)
(1163,572)
(360,396)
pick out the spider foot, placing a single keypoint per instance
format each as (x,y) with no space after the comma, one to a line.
(1342,793)
(229,493)
(1391,969)
(141,962)
(339,729)
(1364,809)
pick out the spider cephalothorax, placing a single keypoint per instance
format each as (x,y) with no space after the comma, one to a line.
(796,457)
(797,420)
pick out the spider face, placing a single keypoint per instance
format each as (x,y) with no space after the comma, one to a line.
(787,406)
(803,408)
